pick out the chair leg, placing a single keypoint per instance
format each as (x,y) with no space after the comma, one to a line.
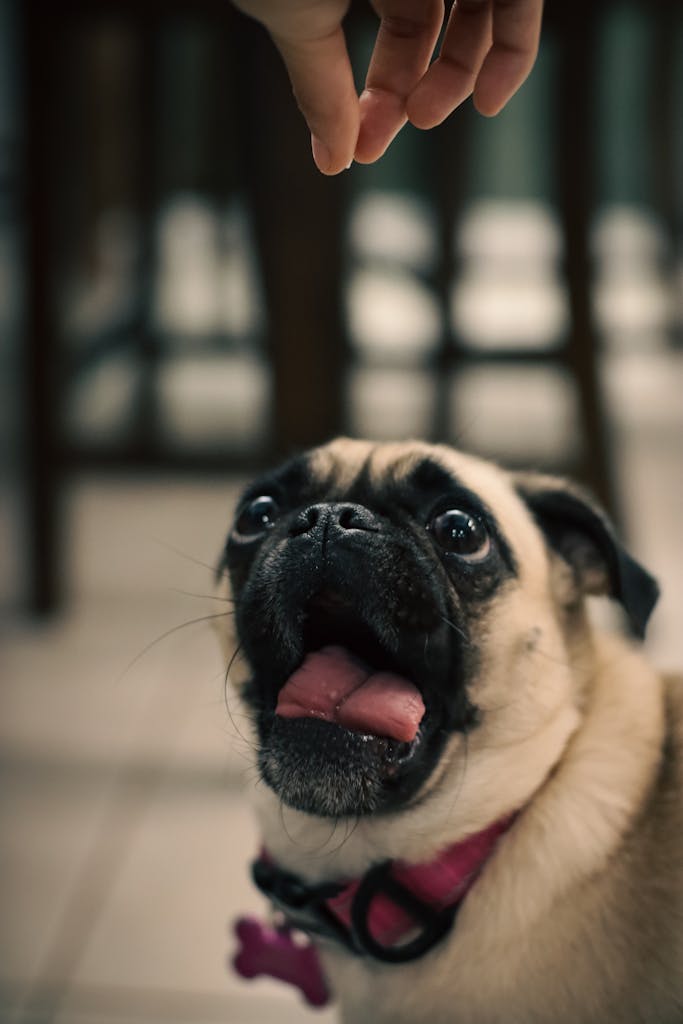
(576,180)
(298,220)
(40,364)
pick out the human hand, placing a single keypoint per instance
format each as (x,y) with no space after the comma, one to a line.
(488,49)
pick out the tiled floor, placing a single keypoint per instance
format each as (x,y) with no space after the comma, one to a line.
(125,831)
(126,834)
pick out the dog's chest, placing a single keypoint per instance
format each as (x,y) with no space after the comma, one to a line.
(551,975)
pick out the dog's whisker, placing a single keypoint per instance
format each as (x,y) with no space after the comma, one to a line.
(238,736)
(463,636)
(164,636)
(259,780)
(350,830)
(281,811)
(244,755)
(215,571)
(207,597)
(333,832)
(250,774)
(226,699)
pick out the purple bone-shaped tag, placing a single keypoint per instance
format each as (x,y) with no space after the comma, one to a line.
(274,952)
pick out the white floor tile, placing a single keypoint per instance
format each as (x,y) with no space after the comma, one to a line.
(88,689)
(166,926)
(47,829)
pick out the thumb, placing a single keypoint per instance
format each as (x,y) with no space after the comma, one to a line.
(321,76)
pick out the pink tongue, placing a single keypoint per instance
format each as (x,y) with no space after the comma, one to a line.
(331,684)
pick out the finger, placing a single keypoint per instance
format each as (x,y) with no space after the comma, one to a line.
(405,42)
(452,76)
(382,115)
(516,34)
(321,76)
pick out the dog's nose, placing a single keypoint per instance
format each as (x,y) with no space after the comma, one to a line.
(331,516)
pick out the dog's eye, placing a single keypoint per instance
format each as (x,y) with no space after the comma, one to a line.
(258,516)
(459,533)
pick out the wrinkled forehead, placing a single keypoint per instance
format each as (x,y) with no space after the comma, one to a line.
(344,463)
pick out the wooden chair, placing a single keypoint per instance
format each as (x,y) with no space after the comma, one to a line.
(300,244)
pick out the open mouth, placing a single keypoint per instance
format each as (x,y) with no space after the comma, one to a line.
(351,681)
(335,685)
(349,676)
(353,728)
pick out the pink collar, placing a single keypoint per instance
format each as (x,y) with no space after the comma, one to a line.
(396,912)
(439,884)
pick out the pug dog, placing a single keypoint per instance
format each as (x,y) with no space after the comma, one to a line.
(472,797)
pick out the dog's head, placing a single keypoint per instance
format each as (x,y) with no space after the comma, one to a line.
(391,598)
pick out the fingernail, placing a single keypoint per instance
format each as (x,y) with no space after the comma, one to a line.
(321,154)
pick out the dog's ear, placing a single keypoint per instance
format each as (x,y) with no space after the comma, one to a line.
(580,532)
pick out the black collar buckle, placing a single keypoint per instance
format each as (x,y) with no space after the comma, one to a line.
(431,925)
(305,907)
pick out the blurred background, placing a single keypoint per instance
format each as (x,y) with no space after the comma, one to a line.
(183,300)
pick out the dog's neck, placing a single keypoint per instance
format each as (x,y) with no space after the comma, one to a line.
(374,914)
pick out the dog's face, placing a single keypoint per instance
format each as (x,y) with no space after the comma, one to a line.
(392,598)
